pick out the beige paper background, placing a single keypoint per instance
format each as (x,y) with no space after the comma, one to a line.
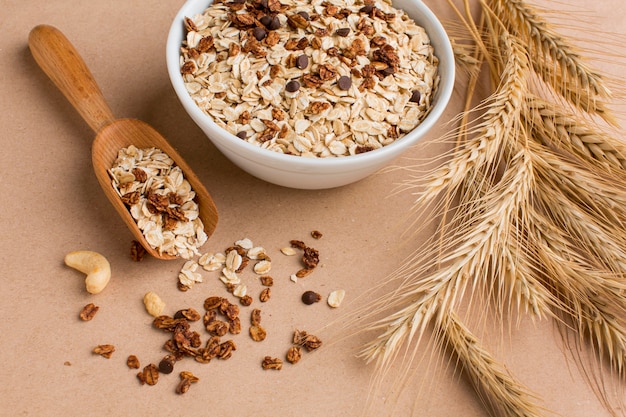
(52,204)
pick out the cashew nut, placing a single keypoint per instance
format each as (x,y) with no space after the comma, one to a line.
(94,265)
(154,304)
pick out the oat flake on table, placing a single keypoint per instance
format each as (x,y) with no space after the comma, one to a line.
(319,79)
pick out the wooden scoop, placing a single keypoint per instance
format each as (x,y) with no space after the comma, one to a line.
(58,58)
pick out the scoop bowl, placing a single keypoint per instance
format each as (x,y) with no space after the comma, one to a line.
(58,58)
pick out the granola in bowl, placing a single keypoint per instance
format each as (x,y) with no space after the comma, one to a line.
(314,79)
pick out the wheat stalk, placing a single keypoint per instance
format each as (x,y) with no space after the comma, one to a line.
(533,204)
(501,392)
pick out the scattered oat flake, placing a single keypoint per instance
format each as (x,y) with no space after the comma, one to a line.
(186,379)
(294,354)
(267,281)
(150,374)
(132,362)
(246,300)
(245,243)
(233,260)
(265,295)
(88,312)
(257,252)
(258,333)
(262,267)
(240,291)
(336,297)
(289,251)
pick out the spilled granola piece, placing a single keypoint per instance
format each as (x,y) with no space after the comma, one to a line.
(88,312)
(308,341)
(106,351)
(272,363)
(132,362)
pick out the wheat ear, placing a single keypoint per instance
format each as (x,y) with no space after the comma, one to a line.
(556,127)
(592,295)
(579,98)
(497,123)
(593,236)
(524,21)
(500,391)
(470,259)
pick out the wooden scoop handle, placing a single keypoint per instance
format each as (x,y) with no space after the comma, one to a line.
(58,58)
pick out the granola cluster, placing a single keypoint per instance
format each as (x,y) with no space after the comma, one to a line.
(321,79)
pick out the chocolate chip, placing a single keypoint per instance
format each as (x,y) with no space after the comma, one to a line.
(292,86)
(242,135)
(275,23)
(305,15)
(166,366)
(266,21)
(344,83)
(388,71)
(259,33)
(310,297)
(415,96)
(343,32)
(302,61)
(368,8)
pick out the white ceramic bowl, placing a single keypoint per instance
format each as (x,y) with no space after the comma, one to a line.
(313,173)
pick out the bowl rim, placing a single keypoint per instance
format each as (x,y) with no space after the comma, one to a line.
(250,151)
